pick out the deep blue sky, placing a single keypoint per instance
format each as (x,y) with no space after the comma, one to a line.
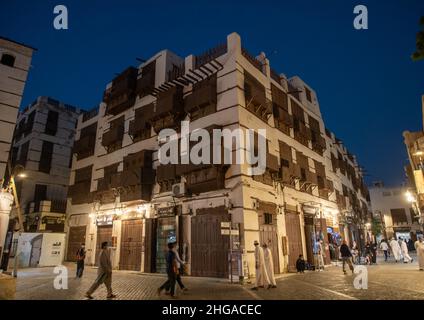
(368,88)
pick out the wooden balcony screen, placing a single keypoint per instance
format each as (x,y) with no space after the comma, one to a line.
(207,179)
(112,139)
(121,95)
(279,97)
(140,128)
(146,83)
(139,159)
(285,151)
(255,97)
(170,101)
(204,94)
(297,111)
(84,146)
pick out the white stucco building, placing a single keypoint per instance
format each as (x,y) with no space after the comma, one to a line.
(15,63)
(42,144)
(391,206)
(120,193)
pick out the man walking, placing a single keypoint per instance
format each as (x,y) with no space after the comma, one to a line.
(346,256)
(404,248)
(171,270)
(269,266)
(104,273)
(394,245)
(384,246)
(419,246)
(261,274)
(80,260)
(180,267)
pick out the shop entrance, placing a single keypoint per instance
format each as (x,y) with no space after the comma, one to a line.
(131,245)
(166,231)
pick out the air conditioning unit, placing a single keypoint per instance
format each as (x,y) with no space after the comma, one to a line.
(178,189)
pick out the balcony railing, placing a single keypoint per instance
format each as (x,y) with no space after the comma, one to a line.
(255,62)
(275,75)
(90,114)
(210,55)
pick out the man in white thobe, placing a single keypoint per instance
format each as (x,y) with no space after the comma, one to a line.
(269,266)
(396,250)
(261,274)
(419,246)
(404,248)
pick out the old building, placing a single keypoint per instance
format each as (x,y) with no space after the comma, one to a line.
(312,187)
(42,144)
(414,142)
(391,206)
(15,62)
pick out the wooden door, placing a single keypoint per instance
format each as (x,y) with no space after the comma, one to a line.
(104,233)
(131,245)
(209,248)
(294,238)
(268,235)
(75,238)
(309,238)
(150,246)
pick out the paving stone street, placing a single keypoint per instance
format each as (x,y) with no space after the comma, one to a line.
(386,280)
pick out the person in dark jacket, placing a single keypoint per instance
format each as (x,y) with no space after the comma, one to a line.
(171,270)
(374,252)
(300,264)
(80,260)
(346,256)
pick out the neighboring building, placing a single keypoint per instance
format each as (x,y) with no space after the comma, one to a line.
(15,62)
(414,142)
(391,207)
(121,194)
(42,144)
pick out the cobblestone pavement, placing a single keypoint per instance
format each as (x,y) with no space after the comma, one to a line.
(386,280)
